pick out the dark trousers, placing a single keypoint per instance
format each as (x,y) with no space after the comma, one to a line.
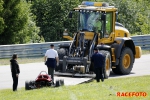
(51,72)
(15,81)
(99,74)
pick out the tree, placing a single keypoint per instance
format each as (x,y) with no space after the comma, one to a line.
(16,20)
(133,14)
(52,17)
(1,18)
(143,19)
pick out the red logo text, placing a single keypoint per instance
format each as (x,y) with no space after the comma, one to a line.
(131,94)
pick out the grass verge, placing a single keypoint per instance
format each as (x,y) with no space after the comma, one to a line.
(106,90)
(145,52)
(22,60)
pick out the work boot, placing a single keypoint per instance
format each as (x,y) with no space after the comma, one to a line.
(53,83)
(98,80)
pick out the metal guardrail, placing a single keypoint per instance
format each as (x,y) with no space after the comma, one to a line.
(39,49)
(27,50)
(143,41)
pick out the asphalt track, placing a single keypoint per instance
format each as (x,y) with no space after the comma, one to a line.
(31,70)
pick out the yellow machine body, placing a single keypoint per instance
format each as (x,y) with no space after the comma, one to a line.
(97,27)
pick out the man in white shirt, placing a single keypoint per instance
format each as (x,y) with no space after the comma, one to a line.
(51,56)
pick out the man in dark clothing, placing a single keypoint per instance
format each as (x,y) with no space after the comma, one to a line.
(98,59)
(15,71)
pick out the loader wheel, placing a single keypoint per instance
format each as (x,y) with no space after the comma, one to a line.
(107,65)
(125,62)
(27,85)
(61,53)
(116,70)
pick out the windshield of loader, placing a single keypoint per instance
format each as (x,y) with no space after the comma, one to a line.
(89,21)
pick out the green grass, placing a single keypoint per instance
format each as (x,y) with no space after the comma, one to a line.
(145,52)
(87,91)
(22,60)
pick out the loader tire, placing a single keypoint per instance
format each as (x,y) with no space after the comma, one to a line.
(116,70)
(125,62)
(107,64)
(61,53)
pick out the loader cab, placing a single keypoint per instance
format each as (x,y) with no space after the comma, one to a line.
(96,25)
(97,17)
(89,21)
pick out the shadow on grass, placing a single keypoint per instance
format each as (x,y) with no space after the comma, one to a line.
(116,75)
(112,75)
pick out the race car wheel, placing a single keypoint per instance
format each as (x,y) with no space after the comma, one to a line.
(57,83)
(32,83)
(37,84)
(42,83)
(61,82)
(27,86)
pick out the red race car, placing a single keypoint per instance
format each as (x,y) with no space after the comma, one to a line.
(43,80)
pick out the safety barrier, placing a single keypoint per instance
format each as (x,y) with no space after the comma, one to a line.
(143,41)
(39,49)
(27,50)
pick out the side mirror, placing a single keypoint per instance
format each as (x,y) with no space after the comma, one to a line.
(70,14)
(117,16)
(103,16)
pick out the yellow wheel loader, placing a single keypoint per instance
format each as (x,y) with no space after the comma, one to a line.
(97,27)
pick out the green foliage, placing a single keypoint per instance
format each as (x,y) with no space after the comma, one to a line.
(143,20)
(15,22)
(1,18)
(133,14)
(29,33)
(52,17)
